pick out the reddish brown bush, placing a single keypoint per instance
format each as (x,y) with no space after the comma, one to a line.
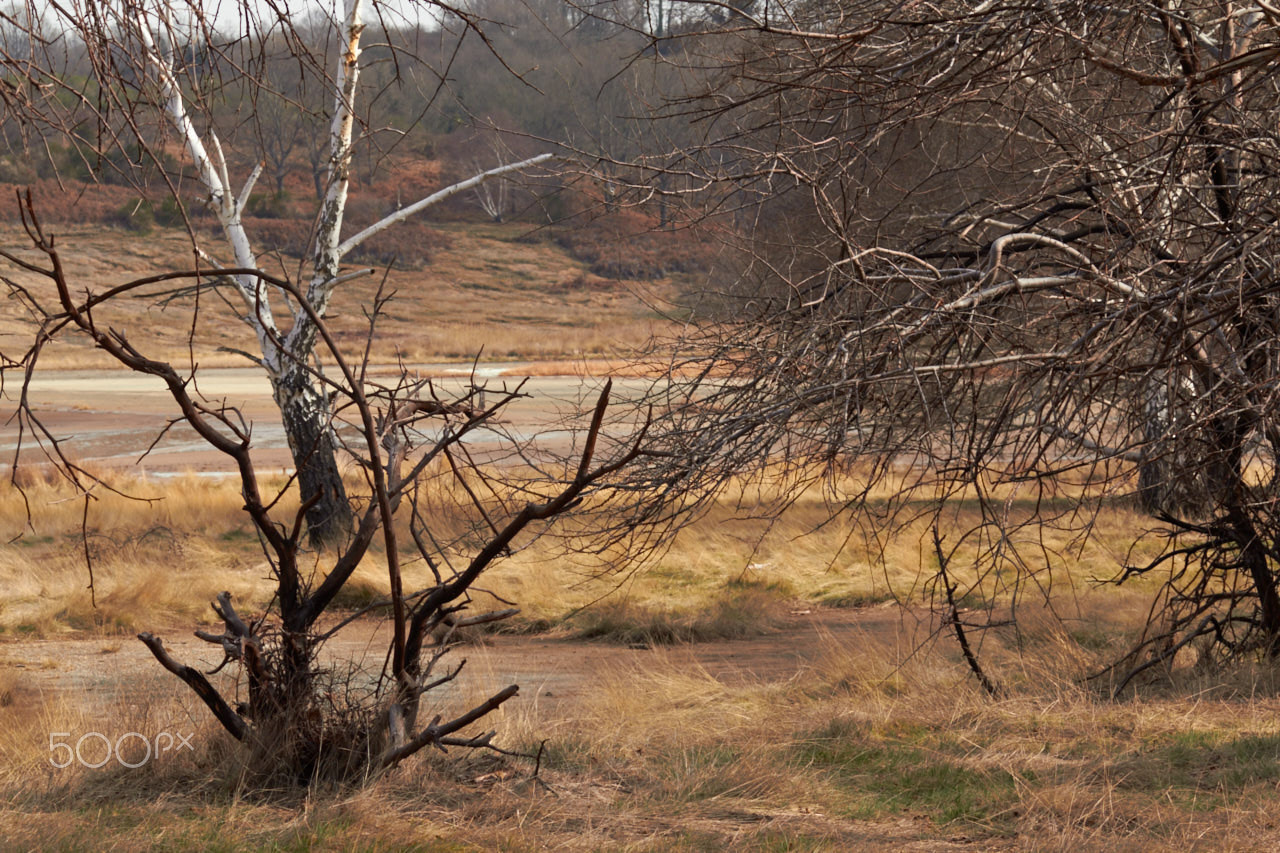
(629,246)
(78,203)
(409,244)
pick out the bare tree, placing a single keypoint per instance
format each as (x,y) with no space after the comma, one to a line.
(1003,250)
(304,720)
(165,65)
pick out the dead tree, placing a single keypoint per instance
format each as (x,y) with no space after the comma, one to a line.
(302,721)
(999,249)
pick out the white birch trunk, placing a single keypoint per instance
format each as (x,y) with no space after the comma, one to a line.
(304,407)
(213,174)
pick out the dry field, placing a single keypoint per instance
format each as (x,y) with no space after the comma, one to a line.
(779,688)
(738,694)
(504,292)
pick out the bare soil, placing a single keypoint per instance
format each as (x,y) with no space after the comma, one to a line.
(553,672)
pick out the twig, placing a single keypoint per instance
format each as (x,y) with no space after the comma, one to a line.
(194,678)
(953,617)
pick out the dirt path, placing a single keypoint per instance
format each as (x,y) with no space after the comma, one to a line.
(111,417)
(552,672)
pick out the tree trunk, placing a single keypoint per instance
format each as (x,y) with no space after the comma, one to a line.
(308,427)
(1179,473)
(1253,556)
(1158,477)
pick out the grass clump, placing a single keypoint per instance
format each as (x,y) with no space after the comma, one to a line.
(1196,764)
(742,609)
(359,592)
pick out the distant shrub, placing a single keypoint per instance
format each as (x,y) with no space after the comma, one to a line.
(276,205)
(287,236)
(630,247)
(409,245)
(89,203)
(556,206)
(364,209)
(136,215)
(272,220)
(17,169)
(169,213)
(582,282)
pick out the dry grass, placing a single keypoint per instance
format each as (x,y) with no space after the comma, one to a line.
(485,289)
(160,554)
(156,558)
(882,743)
(877,747)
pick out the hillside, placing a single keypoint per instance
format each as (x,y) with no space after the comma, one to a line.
(513,290)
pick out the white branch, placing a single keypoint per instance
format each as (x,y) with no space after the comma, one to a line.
(248,188)
(328,254)
(213,174)
(1025,284)
(437,197)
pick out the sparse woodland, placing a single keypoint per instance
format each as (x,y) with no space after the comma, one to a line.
(946,513)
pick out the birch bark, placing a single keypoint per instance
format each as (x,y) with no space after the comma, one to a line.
(305,409)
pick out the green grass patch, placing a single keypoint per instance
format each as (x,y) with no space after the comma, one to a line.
(847,598)
(238,534)
(908,769)
(1202,768)
(675,577)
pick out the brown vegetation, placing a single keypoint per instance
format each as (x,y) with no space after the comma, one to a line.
(875,746)
(629,245)
(878,742)
(485,291)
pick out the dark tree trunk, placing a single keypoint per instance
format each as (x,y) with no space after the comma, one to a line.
(1253,556)
(308,427)
(1169,472)
(1181,472)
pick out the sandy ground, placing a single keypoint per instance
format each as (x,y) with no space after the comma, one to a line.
(110,418)
(553,673)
